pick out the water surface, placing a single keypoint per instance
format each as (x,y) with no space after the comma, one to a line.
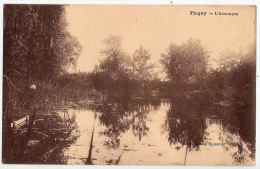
(160,132)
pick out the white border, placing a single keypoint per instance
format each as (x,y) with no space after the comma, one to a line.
(134,2)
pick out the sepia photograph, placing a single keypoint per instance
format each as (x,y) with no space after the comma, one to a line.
(87,84)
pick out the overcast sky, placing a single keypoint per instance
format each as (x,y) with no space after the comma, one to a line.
(155,27)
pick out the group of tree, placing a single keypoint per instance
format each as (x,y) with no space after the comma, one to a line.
(38,48)
(186,67)
(120,74)
(235,78)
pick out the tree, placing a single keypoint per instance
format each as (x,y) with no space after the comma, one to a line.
(114,69)
(242,79)
(228,60)
(37,48)
(185,64)
(141,68)
(37,44)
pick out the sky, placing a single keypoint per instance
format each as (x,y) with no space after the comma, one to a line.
(155,27)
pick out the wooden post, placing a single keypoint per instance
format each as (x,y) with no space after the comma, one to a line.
(13,127)
(15,124)
(27,119)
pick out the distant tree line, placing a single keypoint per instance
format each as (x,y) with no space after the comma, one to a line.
(187,69)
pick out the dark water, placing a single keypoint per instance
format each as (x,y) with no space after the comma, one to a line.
(155,132)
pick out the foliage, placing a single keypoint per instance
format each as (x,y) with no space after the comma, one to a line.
(36,42)
(37,48)
(118,73)
(113,74)
(185,64)
(235,78)
(141,68)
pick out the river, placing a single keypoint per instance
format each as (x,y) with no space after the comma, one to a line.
(138,132)
(159,132)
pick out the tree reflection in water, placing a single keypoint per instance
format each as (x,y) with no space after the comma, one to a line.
(185,124)
(126,115)
(238,132)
